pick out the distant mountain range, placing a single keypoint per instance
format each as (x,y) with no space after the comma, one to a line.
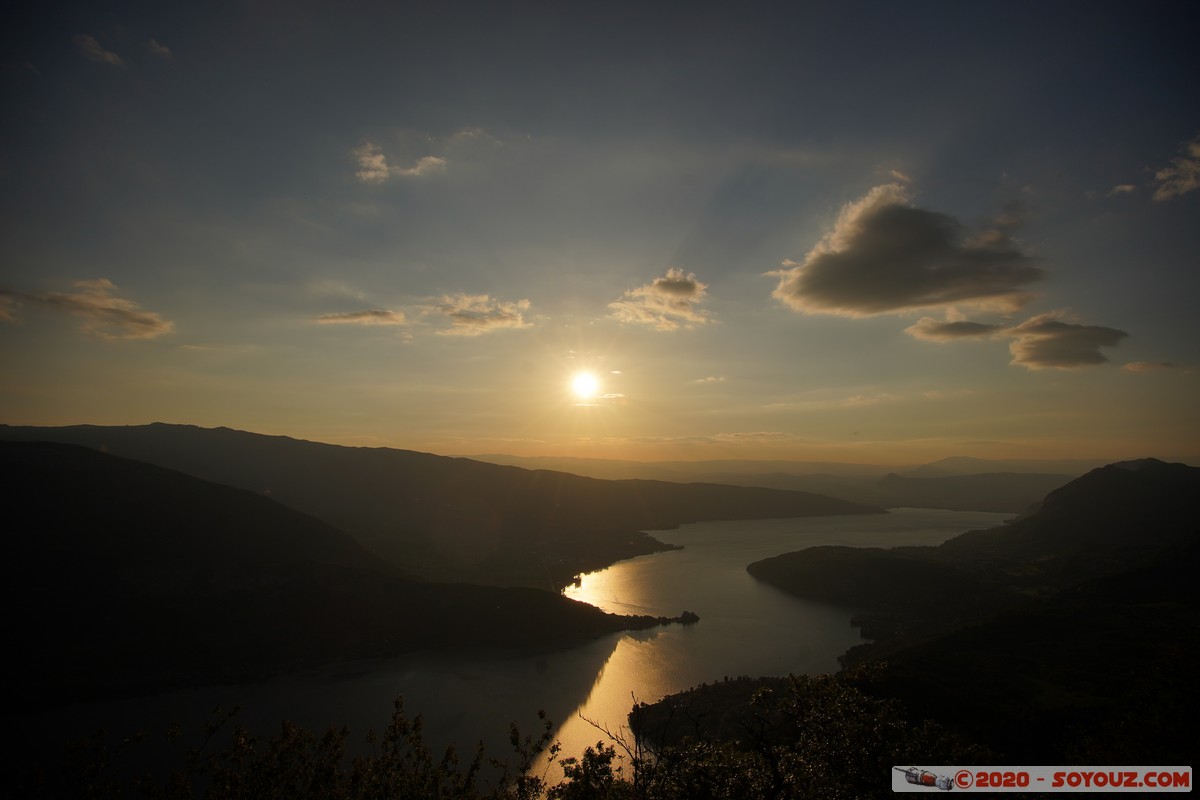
(689,470)
(958,483)
(447,519)
(1069,634)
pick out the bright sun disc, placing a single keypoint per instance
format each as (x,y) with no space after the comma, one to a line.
(585,385)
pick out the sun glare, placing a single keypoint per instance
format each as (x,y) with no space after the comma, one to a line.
(585,385)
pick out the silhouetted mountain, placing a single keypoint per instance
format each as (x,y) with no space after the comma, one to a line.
(1099,673)
(1108,520)
(685,471)
(958,484)
(447,518)
(1068,634)
(965,465)
(125,577)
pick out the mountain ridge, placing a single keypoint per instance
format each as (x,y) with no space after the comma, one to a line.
(135,578)
(444,518)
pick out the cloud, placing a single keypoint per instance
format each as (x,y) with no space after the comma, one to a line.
(710,379)
(424,166)
(1122,188)
(1048,341)
(1148,366)
(753,436)
(373,166)
(885,256)
(155,48)
(91,49)
(1183,175)
(8,308)
(934,330)
(667,303)
(104,314)
(375,316)
(475,314)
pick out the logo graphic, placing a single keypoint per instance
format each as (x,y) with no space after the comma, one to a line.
(923,777)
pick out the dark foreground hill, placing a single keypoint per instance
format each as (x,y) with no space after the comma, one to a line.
(449,519)
(1068,635)
(126,577)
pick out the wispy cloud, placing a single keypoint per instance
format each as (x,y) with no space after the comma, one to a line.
(935,330)
(8,307)
(1148,366)
(475,314)
(1183,174)
(885,256)
(155,48)
(89,48)
(373,166)
(1122,188)
(1047,340)
(710,379)
(667,303)
(374,316)
(104,314)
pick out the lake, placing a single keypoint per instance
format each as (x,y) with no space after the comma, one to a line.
(745,628)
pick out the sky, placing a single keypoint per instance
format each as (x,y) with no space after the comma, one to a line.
(863,232)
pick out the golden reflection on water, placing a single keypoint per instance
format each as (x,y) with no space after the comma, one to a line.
(745,627)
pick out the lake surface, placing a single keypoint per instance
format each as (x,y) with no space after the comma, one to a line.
(745,628)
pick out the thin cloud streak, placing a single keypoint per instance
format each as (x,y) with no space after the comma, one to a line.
(1148,366)
(375,316)
(105,315)
(89,48)
(934,330)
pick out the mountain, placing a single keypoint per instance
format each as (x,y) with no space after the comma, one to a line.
(1109,520)
(1067,635)
(958,484)
(126,577)
(683,471)
(965,465)
(448,519)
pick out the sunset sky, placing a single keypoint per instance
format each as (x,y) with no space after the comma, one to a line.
(872,232)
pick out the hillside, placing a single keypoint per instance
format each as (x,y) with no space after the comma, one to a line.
(131,577)
(447,519)
(1069,632)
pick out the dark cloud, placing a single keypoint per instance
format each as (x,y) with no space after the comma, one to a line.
(935,330)
(667,303)
(104,314)
(474,314)
(885,256)
(91,49)
(1048,341)
(375,316)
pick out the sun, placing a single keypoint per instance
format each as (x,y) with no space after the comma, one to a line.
(585,385)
